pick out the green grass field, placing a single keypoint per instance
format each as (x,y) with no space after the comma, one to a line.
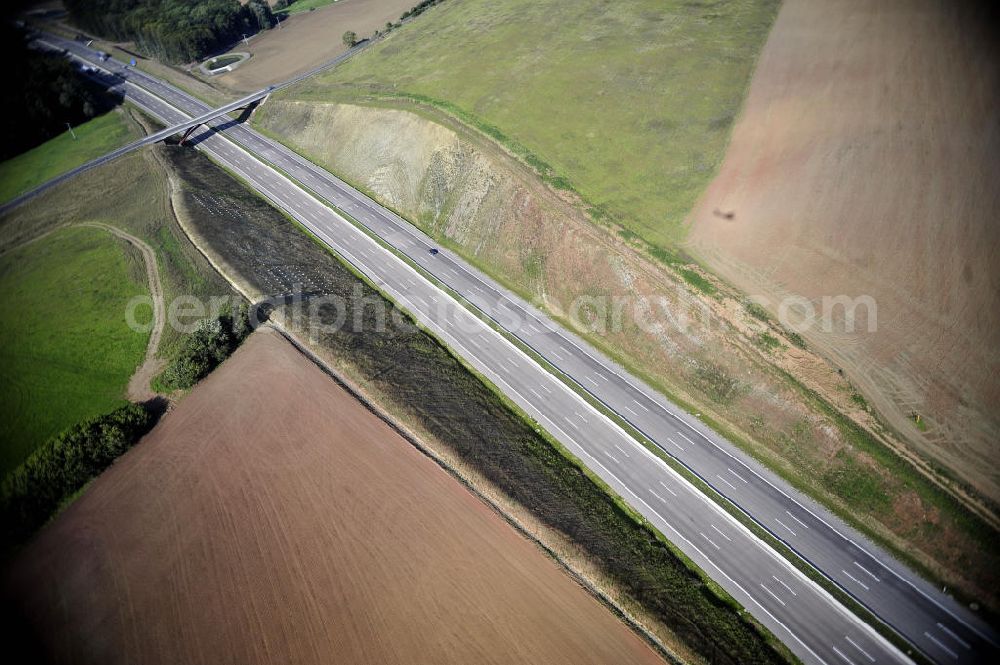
(630,104)
(93,139)
(65,351)
(299,6)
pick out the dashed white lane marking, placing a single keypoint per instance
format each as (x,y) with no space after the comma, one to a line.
(685,437)
(689,440)
(666,487)
(546,389)
(786,526)
(863,585)
(581,416)
(631,411)
(954,636)
(591,380)
(657,496)
(787,588)
(797,519)
(725,481)
(773,595)
(711,542)
(858,647)
(867,572)
(941,644)
(679,446)
(622,450)
(534,392)
(842,654)
(611,456)
(640,405)
(737,475)
(575,426)
(719,531)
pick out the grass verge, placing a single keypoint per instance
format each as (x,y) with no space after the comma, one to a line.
(58,155)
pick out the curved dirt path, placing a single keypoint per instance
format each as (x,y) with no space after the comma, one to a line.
(139,385)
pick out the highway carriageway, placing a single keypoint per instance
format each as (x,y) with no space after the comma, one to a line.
(813,624)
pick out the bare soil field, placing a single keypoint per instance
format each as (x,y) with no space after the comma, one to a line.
(865,162)
(308,39)
(272,518)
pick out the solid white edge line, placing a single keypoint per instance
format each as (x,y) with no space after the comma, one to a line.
(573,395)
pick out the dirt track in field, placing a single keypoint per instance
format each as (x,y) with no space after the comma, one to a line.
(272,518)
(865,162)
(139,386)
(308,39)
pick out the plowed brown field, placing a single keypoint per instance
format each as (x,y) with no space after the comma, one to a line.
(272,518)
(865,163)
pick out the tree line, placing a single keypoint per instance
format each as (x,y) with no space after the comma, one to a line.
(172,30)
(54,472)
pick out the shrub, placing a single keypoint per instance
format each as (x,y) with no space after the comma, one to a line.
(205,349)
(756,310)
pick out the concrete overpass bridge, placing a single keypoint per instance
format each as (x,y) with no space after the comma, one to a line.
(116,75)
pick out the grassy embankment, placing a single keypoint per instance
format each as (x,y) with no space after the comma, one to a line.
(68,353)
(632,112)
(62,153)
(65,351)
(131,193)
(433,393)
(629,104)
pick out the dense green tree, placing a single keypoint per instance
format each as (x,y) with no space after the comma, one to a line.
(67,462)
(350,38)
(173,30)
(205,348)
(42,93)
(262,13)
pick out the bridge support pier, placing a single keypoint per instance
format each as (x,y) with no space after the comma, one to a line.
(187,134)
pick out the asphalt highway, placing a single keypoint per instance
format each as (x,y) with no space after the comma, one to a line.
(188,123)
(812,623)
